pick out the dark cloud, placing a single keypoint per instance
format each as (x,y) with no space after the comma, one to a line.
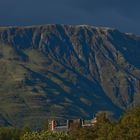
(121,14)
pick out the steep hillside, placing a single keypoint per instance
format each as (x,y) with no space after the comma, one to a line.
(66,71)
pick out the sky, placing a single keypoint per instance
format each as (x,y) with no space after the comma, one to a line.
(121,14)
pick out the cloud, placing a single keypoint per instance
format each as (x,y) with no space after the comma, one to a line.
(122,14)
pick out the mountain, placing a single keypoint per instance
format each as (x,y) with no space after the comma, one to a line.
(66,71)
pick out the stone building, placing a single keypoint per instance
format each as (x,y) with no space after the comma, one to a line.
(64,125)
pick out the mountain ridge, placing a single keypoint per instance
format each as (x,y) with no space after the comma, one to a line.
(68,25)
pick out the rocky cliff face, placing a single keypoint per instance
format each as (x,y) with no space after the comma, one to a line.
(66,71)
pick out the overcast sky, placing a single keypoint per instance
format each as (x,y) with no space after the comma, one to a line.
(121,14)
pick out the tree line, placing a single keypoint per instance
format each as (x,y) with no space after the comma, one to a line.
(126,128)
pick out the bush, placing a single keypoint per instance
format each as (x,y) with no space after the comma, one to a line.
(46,135)
(9,134)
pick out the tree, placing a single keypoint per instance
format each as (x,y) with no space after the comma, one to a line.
(128,128)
